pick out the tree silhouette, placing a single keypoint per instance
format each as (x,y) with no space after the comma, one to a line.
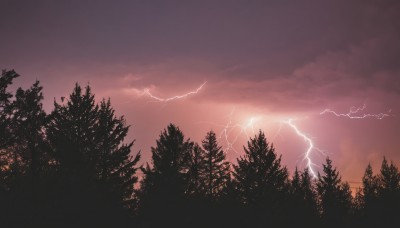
(206,178)
(30,147)
(335,197)
(216,168)
(194,164)
(303,199)
(367,199)
(9,160)
(261,180)
(370,185)
(389,178)
(96,168)
(72,131)
(29,122)
(162,193)
(6,80)
(23,155)
(116,168)
(388,193)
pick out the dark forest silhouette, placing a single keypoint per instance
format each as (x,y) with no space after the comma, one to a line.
(72,167)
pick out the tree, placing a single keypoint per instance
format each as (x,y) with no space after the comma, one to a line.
(388,193)
(72,131)
(195,165)
(23,153)
(94,166)
(261,180)
(367,198)
(29,122)
(6,79)
(389,178)
(114,164)
(8,164)
(169,155)
(307,186)
(216,168)
(6,138)
(162,193)
(303,199)
(335,197)
(369,185)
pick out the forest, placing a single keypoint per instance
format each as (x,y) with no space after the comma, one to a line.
(73,167)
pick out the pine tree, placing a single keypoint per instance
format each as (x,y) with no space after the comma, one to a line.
(29,122)
(113,161)
(388,193)
(309,193)
(261,181)
(295,183)
(216,168)
(367,197)
(72,131)
(8,168)
(23,158)
(259,171)
(195,165)
(302,204)
(389,177)
(162,193)
(6,139)
(369,185)
(335,197)
(94,166)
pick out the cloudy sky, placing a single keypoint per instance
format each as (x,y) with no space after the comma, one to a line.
(263,62)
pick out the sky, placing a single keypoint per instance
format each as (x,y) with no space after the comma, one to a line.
(263,63)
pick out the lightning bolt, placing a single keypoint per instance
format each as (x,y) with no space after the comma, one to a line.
(310,149)
(229,135)
(229,128)
(355,113)
(159,99)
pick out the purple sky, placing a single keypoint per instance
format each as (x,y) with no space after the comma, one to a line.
(267,60)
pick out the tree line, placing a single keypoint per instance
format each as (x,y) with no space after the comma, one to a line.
(73,167)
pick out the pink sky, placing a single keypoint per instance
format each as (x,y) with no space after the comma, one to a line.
(269,61)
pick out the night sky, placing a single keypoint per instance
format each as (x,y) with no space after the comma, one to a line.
(263,62)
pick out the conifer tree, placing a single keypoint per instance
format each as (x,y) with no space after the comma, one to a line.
(259,172)
(72,131)
(369,185)
(94,166)
(303,202)
(262,182)
(335,197)
(113,160)
(388,193)
(8,168)
(162,193)
(389,178)
(195,165)
(296,184)
(367,197)
(29,122)
(6,79)
(216,168)
(23,156)
(309,192)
